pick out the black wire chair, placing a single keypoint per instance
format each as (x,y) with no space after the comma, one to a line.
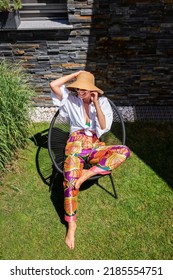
(59,133)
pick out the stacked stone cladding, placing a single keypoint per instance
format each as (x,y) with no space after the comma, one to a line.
(127,44)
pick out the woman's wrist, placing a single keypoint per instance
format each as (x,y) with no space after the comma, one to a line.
(96,104)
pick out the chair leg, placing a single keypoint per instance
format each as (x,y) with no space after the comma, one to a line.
(112,181)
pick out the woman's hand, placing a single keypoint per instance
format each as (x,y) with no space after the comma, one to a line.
(78,72)
(94,97)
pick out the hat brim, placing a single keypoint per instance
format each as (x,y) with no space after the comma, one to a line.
(75,85)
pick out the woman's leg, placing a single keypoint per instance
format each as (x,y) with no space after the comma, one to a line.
(104,159)
(107,158)
(73,166)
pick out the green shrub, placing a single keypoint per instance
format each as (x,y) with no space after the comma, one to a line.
(7,5)
(15,100)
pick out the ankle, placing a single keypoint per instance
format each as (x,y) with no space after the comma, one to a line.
(89,173)
(72,225)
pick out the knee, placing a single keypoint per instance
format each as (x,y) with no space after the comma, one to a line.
(70,162)
(127,151)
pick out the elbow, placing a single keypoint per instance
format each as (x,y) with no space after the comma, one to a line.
(102,123)
(103,127)
(51,84)
(54,87)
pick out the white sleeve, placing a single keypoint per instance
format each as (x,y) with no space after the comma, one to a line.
(61,103)
(56,101)
(108,113)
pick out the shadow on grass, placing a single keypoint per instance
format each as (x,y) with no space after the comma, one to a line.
(43,162)
(47,172)
(152,142)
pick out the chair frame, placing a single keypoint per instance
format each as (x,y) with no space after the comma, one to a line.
(96,177)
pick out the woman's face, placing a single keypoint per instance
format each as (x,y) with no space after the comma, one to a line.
(83,93)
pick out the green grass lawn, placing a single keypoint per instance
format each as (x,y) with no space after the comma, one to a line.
(137,225)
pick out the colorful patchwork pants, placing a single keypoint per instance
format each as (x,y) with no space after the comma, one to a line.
(81,148)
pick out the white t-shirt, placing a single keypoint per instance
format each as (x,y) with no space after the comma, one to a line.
(71,106)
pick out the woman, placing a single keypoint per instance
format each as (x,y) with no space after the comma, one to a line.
(90,116)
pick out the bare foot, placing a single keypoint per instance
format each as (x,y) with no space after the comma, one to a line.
(69,240)
(86,174)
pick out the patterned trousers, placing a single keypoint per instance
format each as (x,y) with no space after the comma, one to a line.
(81,148)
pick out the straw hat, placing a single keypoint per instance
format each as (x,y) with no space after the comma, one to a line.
(85,80)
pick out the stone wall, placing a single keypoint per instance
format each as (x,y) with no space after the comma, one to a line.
(127,44)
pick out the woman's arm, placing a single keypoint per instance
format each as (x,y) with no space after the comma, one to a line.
(100,115)
(56,84)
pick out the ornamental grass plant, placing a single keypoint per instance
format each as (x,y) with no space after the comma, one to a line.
(15,99)
(7,5)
